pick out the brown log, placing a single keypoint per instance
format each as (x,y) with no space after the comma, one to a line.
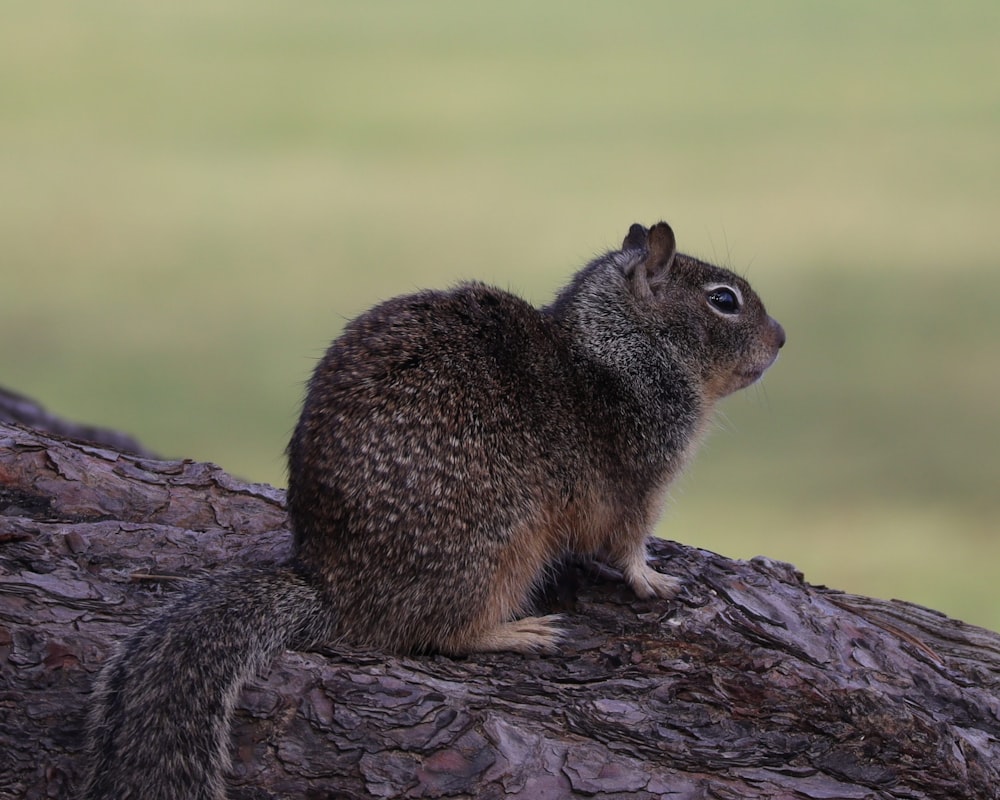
(751,684)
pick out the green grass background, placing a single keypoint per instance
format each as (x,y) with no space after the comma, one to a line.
(194,196)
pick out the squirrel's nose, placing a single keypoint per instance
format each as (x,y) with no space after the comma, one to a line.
(779,333)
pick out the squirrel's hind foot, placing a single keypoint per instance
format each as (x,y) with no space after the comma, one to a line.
(528,635)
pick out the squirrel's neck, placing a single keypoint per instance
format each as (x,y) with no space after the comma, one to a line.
(646,392)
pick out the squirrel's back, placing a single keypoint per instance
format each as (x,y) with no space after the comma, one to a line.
(440,437)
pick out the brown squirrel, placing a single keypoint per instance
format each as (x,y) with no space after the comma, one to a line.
(453,445)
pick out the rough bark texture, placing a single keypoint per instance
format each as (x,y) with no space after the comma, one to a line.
(752,684)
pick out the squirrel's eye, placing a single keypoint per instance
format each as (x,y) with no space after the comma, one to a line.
(724,300)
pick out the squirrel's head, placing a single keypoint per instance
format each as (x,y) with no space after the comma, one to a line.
(702,310)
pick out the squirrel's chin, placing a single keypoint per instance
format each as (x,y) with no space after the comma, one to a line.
(745,379)
(748,377)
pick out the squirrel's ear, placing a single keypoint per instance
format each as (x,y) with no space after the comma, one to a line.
(635,239)
(661,247)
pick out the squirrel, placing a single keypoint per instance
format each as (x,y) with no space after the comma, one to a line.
(453,445)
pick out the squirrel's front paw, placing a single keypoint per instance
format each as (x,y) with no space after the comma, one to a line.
(647,582)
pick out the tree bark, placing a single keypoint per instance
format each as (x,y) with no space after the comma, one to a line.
(751,684)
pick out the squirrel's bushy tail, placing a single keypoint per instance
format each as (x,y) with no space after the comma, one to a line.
(160,711)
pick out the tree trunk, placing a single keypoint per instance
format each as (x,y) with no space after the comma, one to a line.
(751,684)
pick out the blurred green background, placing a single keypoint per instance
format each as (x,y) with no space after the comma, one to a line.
(194,196)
